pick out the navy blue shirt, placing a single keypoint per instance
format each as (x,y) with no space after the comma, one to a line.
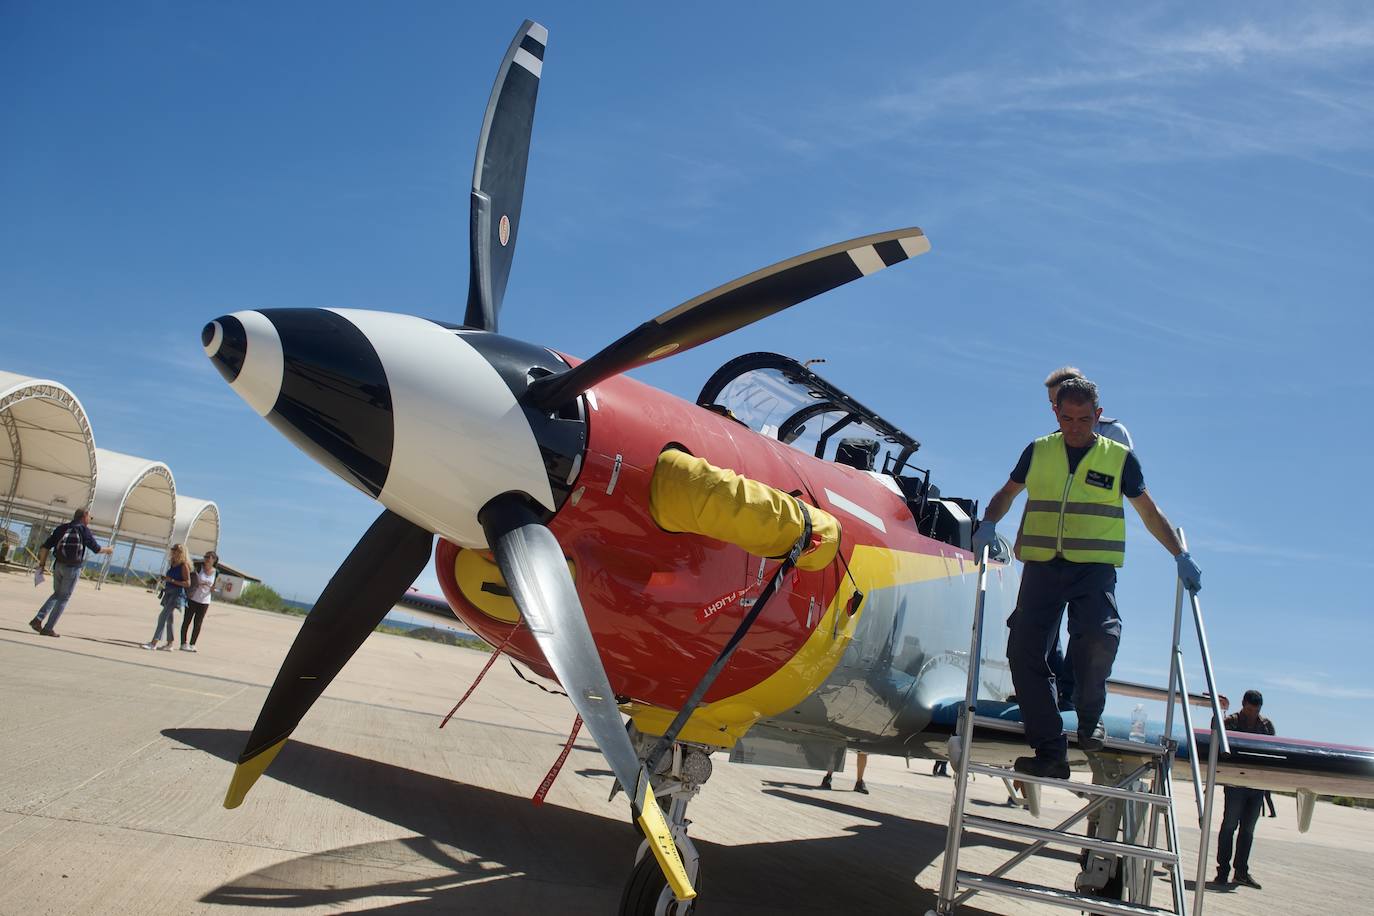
(1132,477)
(87,538)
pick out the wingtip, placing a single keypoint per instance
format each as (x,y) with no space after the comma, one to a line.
(247,773)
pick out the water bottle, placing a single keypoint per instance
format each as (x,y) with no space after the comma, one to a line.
(1138,722)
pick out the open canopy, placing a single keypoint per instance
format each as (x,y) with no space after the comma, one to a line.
(47,453)
(197,525)
(779,397)
(135,498)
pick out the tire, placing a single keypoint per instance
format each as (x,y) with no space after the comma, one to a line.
(647,886)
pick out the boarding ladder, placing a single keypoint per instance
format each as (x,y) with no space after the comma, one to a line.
(1132,790)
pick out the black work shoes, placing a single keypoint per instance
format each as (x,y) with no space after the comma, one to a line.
(1093,739)
(1243,877)
(1052,767)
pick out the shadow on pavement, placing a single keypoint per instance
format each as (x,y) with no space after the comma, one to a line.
(482,851)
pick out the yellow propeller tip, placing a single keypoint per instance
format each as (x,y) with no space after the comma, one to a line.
(247,773)
(665,850)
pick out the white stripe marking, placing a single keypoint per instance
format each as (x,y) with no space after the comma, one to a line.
(259,381)
(538,33)
(528,61)
(460,436)
(914,245)
(216,340)
(854,509)
(866,259)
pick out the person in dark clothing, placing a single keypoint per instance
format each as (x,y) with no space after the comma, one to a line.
(68,544)
(1243,806)
(1071,540)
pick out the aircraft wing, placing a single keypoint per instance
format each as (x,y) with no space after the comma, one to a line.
(1277,763)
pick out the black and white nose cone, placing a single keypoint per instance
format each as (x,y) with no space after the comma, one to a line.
(400,407)
(246,350)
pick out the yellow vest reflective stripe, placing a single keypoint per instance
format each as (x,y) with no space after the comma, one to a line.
(1080,516)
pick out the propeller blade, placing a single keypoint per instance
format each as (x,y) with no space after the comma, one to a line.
(535,571)
(368,584)
(730,307)
(498,177)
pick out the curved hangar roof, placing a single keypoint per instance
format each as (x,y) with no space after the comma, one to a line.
(47,452)
(135,498)
(197,525)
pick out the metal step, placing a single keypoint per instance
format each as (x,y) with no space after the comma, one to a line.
(1081,788)
(1119,745)
(1030,832)
(1067,899)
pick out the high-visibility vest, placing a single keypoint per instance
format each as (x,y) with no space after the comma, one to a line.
(1080,516)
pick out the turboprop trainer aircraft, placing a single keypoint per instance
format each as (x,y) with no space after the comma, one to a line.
(759,571)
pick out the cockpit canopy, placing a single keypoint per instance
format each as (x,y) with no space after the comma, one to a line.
(779,397)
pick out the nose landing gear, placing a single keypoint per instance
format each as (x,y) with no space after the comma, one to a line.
(679,778)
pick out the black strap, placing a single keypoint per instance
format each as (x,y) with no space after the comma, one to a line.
(707,679)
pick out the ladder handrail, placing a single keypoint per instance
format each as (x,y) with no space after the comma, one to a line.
(949,872)
(1217,742)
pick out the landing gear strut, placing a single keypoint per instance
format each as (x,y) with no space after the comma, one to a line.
(680,777)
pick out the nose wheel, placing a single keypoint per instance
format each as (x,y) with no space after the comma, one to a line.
(678,779)
(647,892)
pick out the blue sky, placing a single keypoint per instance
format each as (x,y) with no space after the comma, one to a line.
(1176,198)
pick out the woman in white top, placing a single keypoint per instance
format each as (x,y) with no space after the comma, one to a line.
(198,599)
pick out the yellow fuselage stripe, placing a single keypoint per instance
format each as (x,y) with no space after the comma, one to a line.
(724,721)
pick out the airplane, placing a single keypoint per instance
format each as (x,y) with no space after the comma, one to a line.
(761,571)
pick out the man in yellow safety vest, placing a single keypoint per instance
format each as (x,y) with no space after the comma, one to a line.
(1072,539)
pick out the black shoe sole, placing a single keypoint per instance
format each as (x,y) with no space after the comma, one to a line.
(1033,767)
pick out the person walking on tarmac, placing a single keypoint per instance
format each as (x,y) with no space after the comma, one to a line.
(1243,806)
(1072,539)
(68,544)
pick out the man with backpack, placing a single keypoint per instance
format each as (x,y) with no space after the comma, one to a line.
(68,544)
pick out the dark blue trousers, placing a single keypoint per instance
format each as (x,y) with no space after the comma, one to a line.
(1089,592)
(1243,807)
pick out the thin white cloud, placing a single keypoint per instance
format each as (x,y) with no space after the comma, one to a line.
(1320,688)
(1131,90)
(1317,37)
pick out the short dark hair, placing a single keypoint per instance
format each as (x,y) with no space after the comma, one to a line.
(1061,375)
(1253,697)
(1076,391)
(79,515)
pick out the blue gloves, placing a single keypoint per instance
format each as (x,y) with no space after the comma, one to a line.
(985,535)
(1188,572)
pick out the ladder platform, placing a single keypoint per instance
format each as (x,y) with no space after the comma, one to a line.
(1067,899)
(1079,788)
(1063,838)
(1117,745)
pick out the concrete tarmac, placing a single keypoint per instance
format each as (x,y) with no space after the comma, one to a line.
(114,762)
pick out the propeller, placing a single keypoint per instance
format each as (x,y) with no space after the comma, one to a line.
(368,585)
(730,307)
(498,176)
(535,571)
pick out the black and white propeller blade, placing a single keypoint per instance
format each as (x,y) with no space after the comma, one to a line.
(537,575)
(498,177)
(730,307)
(368,584)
